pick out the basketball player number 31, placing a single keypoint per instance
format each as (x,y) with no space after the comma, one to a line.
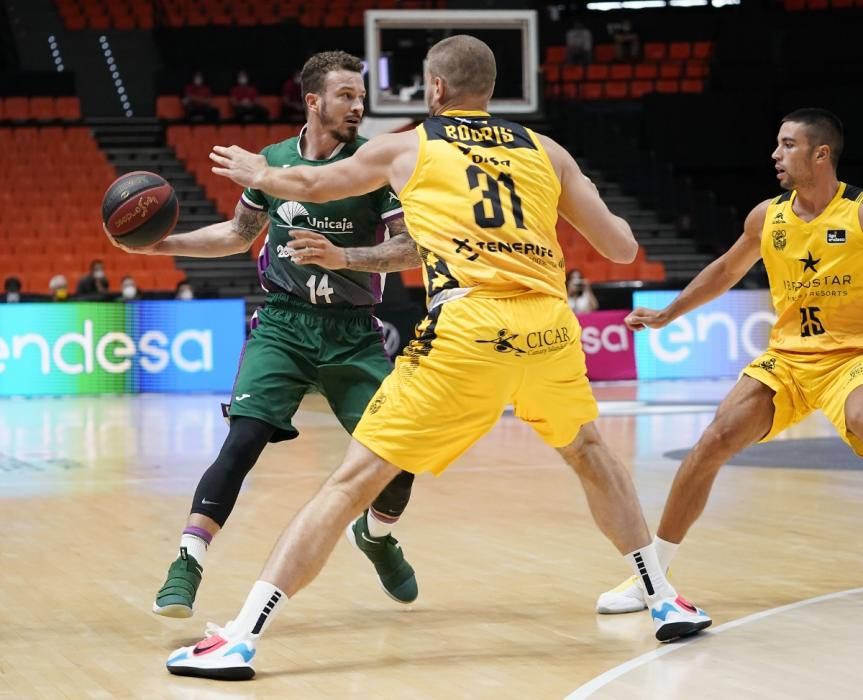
(491,194)
(322,289)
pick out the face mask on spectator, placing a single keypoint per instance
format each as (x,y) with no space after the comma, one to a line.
(130,291)
(13,297)
(98,273)
(185,294)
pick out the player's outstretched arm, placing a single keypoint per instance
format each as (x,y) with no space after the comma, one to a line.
(367,170)
(715,279)
(581,205)
(399,252)
(214,241)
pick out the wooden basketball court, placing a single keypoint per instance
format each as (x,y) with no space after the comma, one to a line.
(94,493)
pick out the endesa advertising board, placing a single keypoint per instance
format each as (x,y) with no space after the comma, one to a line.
(95,348)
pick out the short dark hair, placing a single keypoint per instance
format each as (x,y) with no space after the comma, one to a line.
(315,70)
(823,128)
(12,284)
(466,63)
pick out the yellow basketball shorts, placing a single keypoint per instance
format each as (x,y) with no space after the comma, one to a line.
(471,358)
(805,382)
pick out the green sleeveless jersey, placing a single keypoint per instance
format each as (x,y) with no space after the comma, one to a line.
(351,222)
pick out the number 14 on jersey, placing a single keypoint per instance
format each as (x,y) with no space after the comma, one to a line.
(322,289)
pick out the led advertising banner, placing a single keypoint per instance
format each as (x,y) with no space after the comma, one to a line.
(96,348)
(715,340)
(607,344)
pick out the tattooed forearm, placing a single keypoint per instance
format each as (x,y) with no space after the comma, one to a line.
(397,253)
(247,223)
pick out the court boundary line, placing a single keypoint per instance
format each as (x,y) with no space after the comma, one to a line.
(612,674)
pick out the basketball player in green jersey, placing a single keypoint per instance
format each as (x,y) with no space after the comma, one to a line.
(316,332)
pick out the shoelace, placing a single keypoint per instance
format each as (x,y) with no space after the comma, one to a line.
(213,629)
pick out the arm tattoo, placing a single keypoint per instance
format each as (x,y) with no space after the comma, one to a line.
(397,253)
(247,223)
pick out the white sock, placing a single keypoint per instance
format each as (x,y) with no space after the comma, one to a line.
(259,609)
(665,552)
(195,547)
(378,527)
(645,565)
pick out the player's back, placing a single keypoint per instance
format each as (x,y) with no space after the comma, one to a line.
(482,206)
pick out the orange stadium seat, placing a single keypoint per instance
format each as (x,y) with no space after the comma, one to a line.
(597,72)
(621,71)
(555,55)
(169,107)
(670,69)
(16,109)
(573,73)
(68,109)
(42,109)
(679,50)
(646,71)
(702,49)
(604,53)
(654,51)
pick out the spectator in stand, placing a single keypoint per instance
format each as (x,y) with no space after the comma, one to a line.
(244,101)
(293,107)
(627,45)
(95,285)
(11,291)
(129,290)
(579,44)
(59,288)
(184,291)
(580,296)
(198,101)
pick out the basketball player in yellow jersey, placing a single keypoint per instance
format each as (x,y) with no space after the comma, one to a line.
(811,241)
(481,197)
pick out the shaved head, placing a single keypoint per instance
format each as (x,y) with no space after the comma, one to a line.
(465,64)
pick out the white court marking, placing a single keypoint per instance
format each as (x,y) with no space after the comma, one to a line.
(589,688)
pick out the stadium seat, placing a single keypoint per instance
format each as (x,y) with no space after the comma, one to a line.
(169,107)
(573,73)
(604,53)
(555,55)
(16,109)
(679,50)
(654,51)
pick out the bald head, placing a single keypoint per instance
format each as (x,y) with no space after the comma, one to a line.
(465,64)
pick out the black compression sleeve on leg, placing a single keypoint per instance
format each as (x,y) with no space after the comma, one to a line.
(220,485)
(393,500)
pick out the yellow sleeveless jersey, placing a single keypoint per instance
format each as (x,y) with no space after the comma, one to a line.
(482,206)
(816,273)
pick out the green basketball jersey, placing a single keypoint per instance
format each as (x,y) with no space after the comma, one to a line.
(351,222)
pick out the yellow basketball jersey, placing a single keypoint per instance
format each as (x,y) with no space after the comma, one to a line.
(482,206)
(816,273)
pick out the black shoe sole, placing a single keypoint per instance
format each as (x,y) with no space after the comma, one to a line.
(676,630)
(240,673)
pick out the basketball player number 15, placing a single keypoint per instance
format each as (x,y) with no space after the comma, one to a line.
(491,194)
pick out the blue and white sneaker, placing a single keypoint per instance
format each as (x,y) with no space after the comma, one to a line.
(220,655)
(677,617)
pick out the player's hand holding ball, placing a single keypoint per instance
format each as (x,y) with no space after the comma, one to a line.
(139,209)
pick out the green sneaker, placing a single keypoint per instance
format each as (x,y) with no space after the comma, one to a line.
(396,576)
(176,597)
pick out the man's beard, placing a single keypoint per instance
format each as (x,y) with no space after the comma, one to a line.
(348,134)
